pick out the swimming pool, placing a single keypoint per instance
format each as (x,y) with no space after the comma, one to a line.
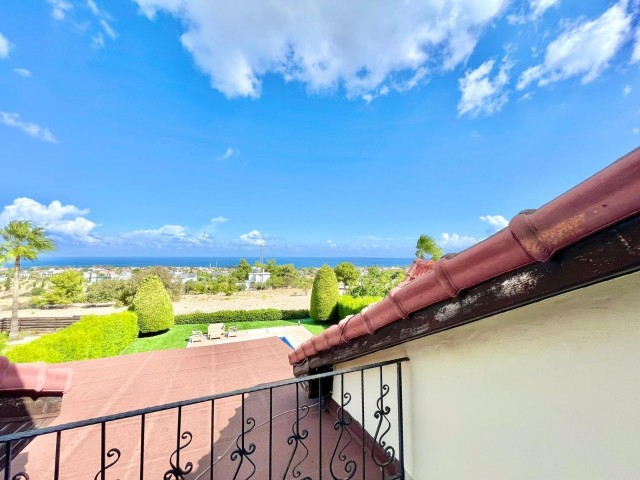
(284,339)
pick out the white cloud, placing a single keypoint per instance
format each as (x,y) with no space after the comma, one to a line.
(108,29)
(61,220)
(93,7)
(32,129)
(97,41)
(636,131)
(359,45)
(23,72)
(331,244)
(230,152)
(635,55)
(538,7)
(454,241)
(254,237)
(494,222)
(59,8)
(480,93)
(5,46)
(166,236)
(584,49)
(626,90)
(219,220)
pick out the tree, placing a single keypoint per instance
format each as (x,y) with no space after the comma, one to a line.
(427,245)
(324,295)
(153,306)
(347,273)
(377,282)
(22,240)
(243,270)
(108,290)
(173,288)
(66,287)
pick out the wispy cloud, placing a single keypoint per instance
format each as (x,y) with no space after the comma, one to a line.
(538,7)
(494,222)
(63,221)
(254,237)
(331,244)
(584,49)
(32,129)
(5,46)
(455,241)
(219,220)
(480,92)
(230,152)
(93,7)
(59,8)
(108,29)
(626,90)
(23,72)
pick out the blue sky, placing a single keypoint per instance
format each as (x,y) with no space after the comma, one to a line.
(199,128)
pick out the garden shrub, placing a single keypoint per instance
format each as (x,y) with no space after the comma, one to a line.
(4,338)
(153,306)
(94,336)
(324,295)
(239,316)
(348,305)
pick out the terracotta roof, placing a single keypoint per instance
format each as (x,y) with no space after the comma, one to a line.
(118,384)
(33,377)
(605,199)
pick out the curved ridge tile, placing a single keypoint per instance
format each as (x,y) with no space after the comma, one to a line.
(36,377)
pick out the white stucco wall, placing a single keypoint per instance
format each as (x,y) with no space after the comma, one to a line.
(547,391)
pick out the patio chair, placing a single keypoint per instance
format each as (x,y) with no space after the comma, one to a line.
(196,336)
(232,332)
(215,330)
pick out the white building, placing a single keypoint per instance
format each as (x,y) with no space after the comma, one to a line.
(257,275)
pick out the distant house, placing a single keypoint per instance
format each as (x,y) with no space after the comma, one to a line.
(187,277)
(257,275)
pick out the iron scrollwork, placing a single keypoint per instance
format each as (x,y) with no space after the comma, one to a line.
(381,414)
(341,424)
(176,471)
(243,453)
(114,452)
(296,439)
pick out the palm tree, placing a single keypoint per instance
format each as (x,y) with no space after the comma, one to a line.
(22,240)
(428,245)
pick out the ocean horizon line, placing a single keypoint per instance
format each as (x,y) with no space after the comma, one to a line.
(206,261)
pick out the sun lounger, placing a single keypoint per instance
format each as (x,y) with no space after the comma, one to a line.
(215,330)
(232,332)
(196,336)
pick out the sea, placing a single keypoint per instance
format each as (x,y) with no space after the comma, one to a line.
(298,262)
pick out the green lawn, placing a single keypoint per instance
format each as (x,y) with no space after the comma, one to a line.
(178,335)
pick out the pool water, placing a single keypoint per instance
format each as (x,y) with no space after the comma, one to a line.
(284,339)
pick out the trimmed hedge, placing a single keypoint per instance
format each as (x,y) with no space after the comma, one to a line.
(153,306)
(348,305)
(239,316)
(324,295)
(94,336)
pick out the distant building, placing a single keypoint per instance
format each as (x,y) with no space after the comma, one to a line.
(257,275)
(187,277)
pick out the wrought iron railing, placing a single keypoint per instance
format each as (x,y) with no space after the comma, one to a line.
(326,436)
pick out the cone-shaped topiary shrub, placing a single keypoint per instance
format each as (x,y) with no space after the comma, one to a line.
(153,306)
(324,295)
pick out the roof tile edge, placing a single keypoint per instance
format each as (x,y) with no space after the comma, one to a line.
(606,198)
(33,377)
